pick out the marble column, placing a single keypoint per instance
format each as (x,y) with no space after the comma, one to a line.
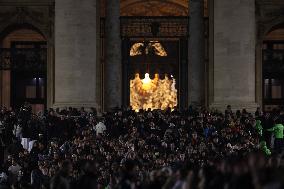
(76,53)
(113,65)
(234,55)
(196,66)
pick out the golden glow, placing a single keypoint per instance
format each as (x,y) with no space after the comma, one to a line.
(146,82)
(136,49)
(159,49)
(152,94)
(154,46)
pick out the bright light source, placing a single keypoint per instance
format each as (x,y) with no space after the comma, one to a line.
(146,82)
(152,93)
(147,79)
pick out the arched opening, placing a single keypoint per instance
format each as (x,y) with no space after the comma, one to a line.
(23,57)
(153,8)
(154,64)
(273,68)
(163,22)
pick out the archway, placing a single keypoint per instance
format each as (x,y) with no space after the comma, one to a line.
(159,56)
(273,68)
(161,21)
(23,59)
(157,8)
(153,8)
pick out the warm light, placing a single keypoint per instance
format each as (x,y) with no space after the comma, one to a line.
(136,48)
(147,79)
(153,93)
(146,82)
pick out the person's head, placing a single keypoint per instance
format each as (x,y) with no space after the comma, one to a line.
(41,145)
(14,162)
(35,145)
(119,113)
(194,135)
(55,155)
(215,140)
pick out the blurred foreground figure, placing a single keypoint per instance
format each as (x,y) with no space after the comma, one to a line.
(62,179)
(278,133)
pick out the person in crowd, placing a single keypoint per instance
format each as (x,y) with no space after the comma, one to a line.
(100,128)
(194,148)
(3,179)
(278,132)
(259,128)
(13,172)
(61,180)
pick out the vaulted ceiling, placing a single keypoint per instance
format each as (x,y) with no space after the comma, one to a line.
(154,7)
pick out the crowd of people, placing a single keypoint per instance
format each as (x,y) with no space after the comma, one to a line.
(124,149)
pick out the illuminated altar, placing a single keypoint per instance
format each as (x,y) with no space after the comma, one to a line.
(154,93)
(154,73)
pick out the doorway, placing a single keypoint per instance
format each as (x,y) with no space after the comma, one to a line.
(23,58)
(154,62)
(155,73)
(273,69)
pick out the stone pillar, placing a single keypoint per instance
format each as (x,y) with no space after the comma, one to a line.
(76,53)
(1,88)
(196,71)
(6,88)
(113,65)
(234,55)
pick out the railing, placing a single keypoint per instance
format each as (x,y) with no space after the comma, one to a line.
(32,59)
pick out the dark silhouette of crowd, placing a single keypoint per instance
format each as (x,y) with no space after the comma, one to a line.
(123,149)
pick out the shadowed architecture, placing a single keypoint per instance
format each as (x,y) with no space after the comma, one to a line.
(78,53)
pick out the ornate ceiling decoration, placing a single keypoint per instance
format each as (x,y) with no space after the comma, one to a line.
(151,47)
(153,7)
